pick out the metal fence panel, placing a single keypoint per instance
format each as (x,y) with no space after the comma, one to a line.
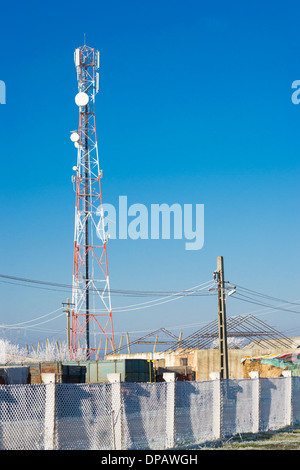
(83,416)
(22,417)
(194,410)
(296,399)
(144,422)
(273,403)
(237,406)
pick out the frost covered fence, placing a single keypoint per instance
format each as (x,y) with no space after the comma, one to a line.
(121,415)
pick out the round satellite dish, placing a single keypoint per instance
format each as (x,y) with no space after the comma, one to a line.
(76,145)
(74,137)
(74,168)
(81,99)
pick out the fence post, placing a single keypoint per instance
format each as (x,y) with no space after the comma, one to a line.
(49,437)
(254,375)
(115,380)
(169,377)
(217,404)
(289,395)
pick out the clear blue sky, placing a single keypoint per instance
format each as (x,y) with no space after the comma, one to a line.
(194,107)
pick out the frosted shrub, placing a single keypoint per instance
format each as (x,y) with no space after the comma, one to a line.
(10,353)
(51,352)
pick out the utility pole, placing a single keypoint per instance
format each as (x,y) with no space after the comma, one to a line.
(67,312)
(219,277)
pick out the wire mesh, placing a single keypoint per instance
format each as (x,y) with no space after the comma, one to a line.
(194,410)
(22,417)
(141,416)
(237,406)
(144,415)
(274,403)
(84,416)
(296,400)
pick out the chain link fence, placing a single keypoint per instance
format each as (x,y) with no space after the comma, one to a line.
(158,416)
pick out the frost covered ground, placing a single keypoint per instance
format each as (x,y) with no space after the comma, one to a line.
(284,439)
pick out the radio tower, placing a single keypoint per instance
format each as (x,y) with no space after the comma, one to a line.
(91,303)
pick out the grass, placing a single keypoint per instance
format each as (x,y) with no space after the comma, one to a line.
(284,439)
(287,438)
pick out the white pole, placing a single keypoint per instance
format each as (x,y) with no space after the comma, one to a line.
(217,404)
(115,380)
(254,375)
(289,396)
(169,377)
(49,437)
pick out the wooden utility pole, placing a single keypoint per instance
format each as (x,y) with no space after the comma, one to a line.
(222,319)
(67,311)
(128,343)
(120,345)
(98,351)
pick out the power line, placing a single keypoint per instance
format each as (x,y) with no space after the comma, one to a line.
(19,327)
(67,287)
(252,301)
(151,303)
(175,296)
(35,319)
(166,296)
(265,295)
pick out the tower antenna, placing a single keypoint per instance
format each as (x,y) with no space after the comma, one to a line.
(91,290)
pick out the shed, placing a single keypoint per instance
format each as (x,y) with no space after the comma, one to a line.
(131,370)
(14,375)
(64,373)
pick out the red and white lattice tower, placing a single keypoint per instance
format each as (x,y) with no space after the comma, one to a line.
(91,302)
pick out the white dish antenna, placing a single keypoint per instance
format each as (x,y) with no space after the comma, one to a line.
(74,137)
(81,99)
